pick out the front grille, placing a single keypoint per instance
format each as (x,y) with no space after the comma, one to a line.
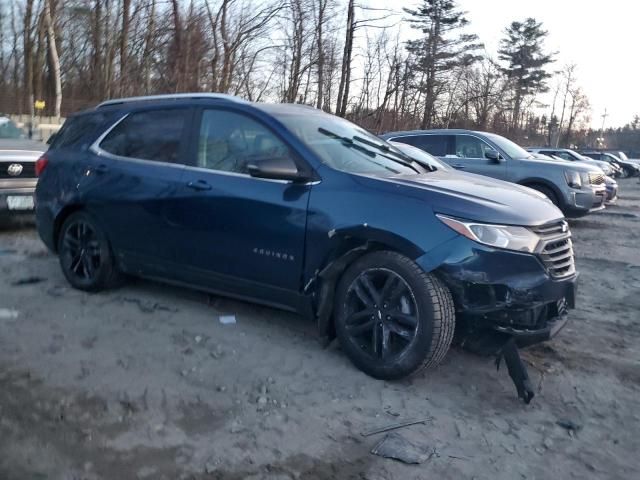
(28,170)
(557,249)
(596,178)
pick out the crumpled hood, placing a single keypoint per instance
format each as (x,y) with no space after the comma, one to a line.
(479,198)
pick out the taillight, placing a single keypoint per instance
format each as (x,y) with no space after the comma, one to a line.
(41,164)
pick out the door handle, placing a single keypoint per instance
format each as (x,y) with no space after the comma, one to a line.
(199,185)
(101,169)
(459,166)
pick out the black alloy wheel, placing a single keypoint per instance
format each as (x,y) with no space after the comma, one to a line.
(382,316)
(392,318)
(85,254)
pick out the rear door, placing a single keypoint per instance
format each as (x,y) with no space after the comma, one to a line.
(239,230)
(469,156)
(437,145)
(138,168)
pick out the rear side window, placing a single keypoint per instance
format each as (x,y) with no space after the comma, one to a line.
(434,144)
(152,135)
(77,130)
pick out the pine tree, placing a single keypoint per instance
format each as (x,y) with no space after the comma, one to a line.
(441,48)
(523,51)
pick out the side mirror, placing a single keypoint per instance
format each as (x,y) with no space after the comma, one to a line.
(493,155)
(281,168)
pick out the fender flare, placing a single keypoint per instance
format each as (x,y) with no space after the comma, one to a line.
(358,240)
(528,182)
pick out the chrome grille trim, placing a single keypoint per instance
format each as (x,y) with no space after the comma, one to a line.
(556,248)
(596,178)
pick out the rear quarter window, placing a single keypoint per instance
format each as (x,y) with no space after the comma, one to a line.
(78,130)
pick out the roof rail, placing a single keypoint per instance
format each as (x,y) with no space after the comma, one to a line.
(171,96)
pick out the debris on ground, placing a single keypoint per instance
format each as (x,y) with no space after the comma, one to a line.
(227,319)
(397,447)
(8,314)
(149,307)
(395,426)
(517,370)
(28,281)
(570,426)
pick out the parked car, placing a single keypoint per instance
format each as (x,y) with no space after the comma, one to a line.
(9,130)
(575,189)
(629,169)
(17,177)
(295,208)
(612,190)
(568,154)
(623,156)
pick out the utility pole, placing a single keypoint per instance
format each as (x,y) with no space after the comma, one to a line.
(604,117)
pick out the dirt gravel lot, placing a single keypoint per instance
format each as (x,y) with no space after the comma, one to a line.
(145,382)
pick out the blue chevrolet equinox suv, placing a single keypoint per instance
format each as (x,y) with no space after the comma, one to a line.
(291,207)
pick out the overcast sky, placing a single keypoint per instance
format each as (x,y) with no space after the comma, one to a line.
(601,38)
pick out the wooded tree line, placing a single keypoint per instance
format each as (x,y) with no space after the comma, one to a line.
(338,55)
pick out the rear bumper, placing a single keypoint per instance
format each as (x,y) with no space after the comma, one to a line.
(507,292)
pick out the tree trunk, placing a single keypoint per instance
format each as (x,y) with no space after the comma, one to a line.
(28,57)
(124,40)
(343,89)
(55,59)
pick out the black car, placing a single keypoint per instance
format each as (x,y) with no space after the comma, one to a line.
(629,169)
(295,208)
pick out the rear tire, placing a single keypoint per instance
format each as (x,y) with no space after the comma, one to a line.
(85,254)
(386,297)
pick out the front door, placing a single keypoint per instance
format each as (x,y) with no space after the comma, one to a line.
(238,229)
(469,156)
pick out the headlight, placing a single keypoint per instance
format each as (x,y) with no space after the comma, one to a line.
(520,239)
(573,178)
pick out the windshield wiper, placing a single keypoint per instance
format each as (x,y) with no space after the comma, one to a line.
(350,142)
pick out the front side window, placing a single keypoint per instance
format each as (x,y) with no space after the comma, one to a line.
(513,150)
(151,135)
(470,147)
(562,155)
(230,141)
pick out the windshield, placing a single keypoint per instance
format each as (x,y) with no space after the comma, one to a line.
(420,155)
(8,129)
(344,146)
(512,150)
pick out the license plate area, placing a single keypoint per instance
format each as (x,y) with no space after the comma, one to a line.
(20,202)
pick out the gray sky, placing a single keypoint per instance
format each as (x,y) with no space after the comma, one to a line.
(601,38)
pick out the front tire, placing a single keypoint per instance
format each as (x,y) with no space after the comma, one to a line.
(392,318)
(547,192)
(85,254)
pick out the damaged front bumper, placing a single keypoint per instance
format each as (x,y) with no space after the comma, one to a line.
(510,293)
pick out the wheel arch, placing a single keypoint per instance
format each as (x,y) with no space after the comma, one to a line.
(536,181)
(60,218)
(347,245)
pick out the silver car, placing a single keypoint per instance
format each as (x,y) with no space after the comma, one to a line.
(576,188)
